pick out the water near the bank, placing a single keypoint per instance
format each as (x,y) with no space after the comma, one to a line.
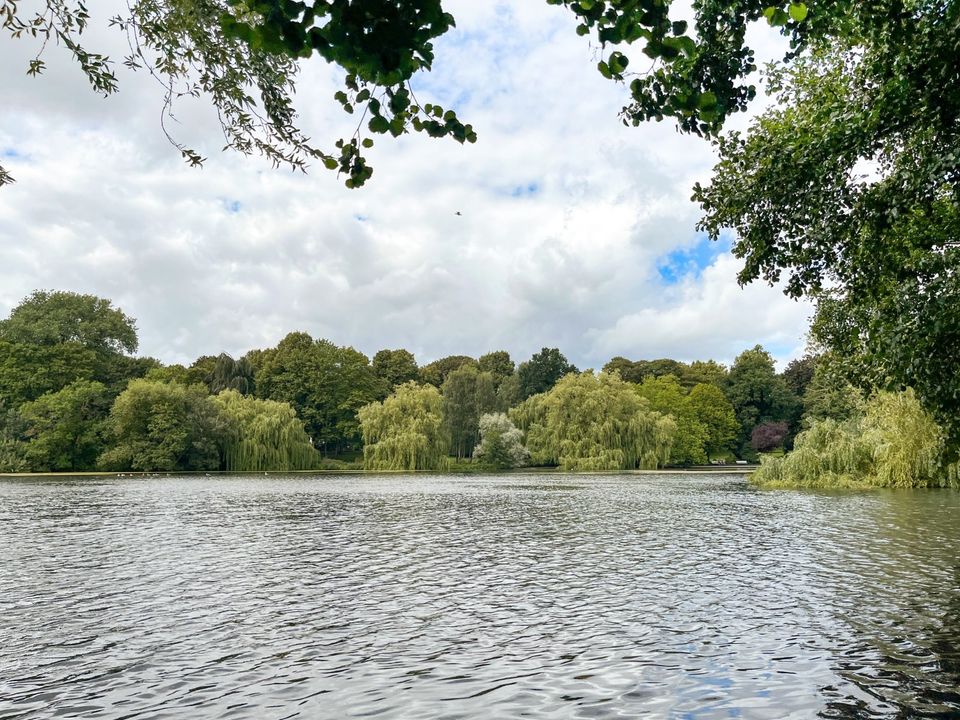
(685,596)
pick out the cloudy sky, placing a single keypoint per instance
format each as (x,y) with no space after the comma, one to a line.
(573,231)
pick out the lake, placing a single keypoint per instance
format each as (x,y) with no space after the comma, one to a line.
(516,596)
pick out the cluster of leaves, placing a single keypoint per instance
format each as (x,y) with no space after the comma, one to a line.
(219,48)
(184,46)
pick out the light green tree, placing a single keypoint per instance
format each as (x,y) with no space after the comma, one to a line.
(894,443)
(262,435)
(594,422)
(405,431)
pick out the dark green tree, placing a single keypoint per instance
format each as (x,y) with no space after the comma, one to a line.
(467,394)
(436,372)
(65,428)
(163,426)
(848,190)
(394,367)
(499,364)
(230,374)
(542,371)
(326,385)
(629,370)
(57,318)
(758,394)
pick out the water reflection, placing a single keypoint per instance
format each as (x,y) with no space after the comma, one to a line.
(444,597)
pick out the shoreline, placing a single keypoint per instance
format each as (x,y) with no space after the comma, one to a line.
(701,470)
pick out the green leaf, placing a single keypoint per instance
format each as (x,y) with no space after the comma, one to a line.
(798,11)
(379,124)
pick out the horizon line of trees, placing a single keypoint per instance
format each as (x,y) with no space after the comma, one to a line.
(73,397)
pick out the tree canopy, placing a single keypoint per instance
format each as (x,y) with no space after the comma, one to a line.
(57,318)
(222,48)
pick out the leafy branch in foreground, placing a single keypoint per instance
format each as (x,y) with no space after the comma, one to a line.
(223,48)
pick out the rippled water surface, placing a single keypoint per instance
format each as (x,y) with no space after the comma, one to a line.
(679,596)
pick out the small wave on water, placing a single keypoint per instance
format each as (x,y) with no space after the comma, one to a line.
(433,597)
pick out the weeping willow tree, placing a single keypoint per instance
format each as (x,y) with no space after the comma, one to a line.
(593,422)
(893,443)
(263,435)
(405,431)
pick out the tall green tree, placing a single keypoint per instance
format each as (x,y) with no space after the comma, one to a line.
(848,190)
(666,395)
(758,394)
(163,426)
(499,364)
(262,435)
(326,385)
(712,408)
(542,371)
(57,318)
(394,367)
(467,394)
(405,431)
(65,428)
(435,373)
(52,339)
(594,422)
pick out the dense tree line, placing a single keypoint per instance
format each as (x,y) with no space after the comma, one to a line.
(73,398)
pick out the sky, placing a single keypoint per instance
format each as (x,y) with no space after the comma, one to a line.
(559,228)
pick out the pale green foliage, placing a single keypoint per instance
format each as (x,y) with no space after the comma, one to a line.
(594,422)
(895,443)
(405,431)
(263,435)
(501,443)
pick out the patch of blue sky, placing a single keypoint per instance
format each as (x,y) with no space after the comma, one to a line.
(231,206)
(11,153)
(531,188)
(690,262)
(360,218)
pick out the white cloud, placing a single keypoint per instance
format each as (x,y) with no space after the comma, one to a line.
(238,254)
